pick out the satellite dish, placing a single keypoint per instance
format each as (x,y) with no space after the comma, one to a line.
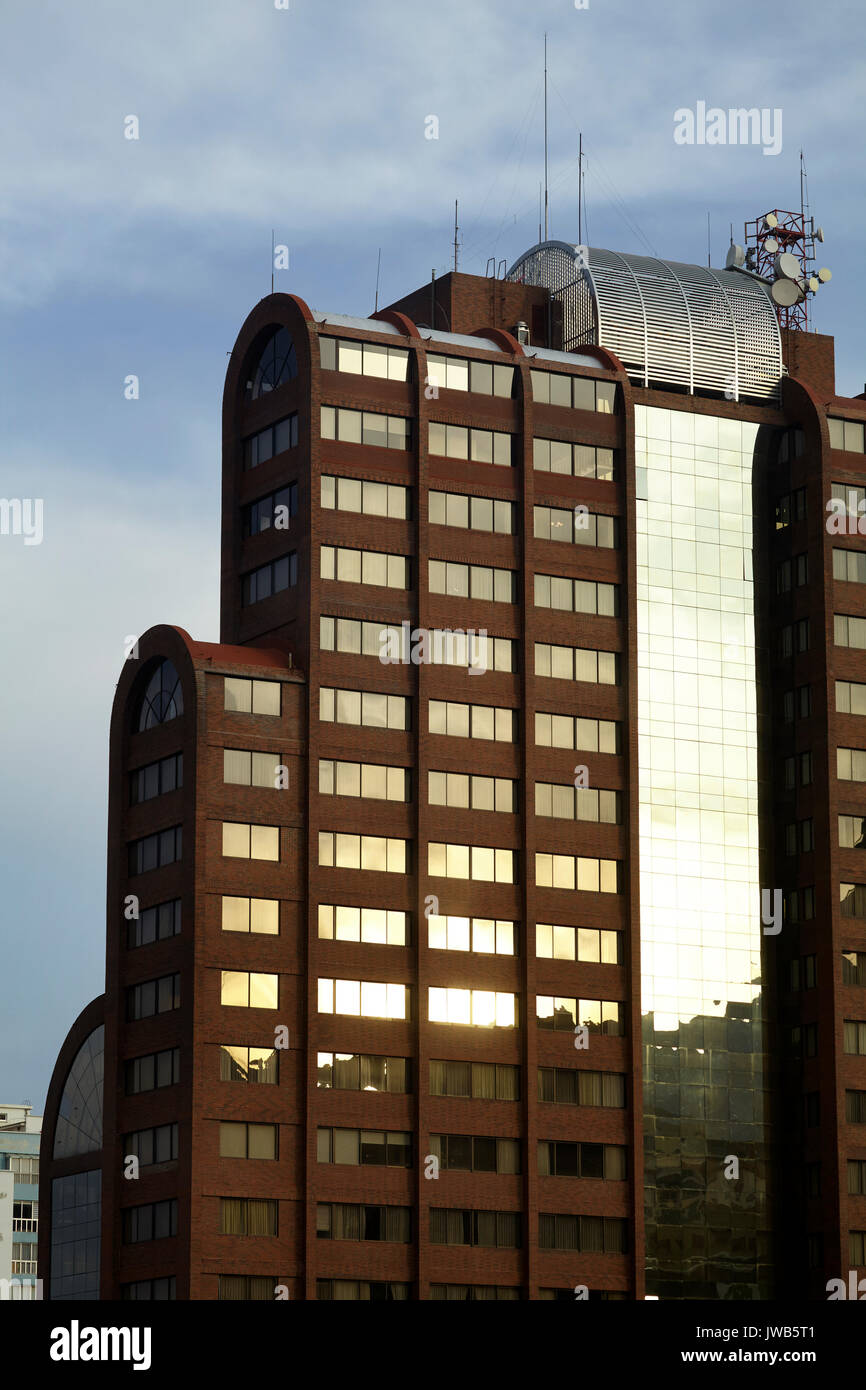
(824,275)
(819,234)
(736,257)
(786,293)
(771,245)
(787,265)
(813,283)
(770,221)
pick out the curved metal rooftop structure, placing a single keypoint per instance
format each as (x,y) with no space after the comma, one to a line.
(669,324)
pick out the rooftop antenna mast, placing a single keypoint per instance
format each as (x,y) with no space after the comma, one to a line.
(709,260)
(546,212)
(273,250)
(580,189)
(378,268)
(455,234)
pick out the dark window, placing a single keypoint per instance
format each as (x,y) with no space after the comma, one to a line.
(155,779)
(154,924)
(277,365)
(270,579)
(155,851)
(162,699)
(154,1221)
(272,440)
(153,997)
(276,509)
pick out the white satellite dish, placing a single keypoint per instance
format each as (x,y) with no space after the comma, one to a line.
(736,257)
(770,221)
(819,234)
(771,245)
(813,283)
(786,293)
(824,275)
(787,265)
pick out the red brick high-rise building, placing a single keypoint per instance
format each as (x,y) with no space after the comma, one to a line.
(436,965)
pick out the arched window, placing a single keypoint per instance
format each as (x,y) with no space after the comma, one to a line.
(162,699)
(79,1118)
(277,364)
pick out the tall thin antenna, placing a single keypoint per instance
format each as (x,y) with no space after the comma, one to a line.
(378,268)
(546,213)
(273,249)
(709,261)
(455,238)
(539,212)
(580,190)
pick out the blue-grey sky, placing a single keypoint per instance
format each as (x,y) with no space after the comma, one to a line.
(144,257)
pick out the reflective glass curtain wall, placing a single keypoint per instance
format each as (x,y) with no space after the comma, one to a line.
(704,1076)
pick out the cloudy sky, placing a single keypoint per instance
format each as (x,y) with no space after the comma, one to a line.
(145,256)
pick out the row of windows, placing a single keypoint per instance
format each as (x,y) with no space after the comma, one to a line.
(471,513)
(850,565)
(155,851)
(366,427)
(242,841)
(847,435)
(487,722)
(270,579)
(374,925)
(577,803)
(790,507)
(154,924)
(559,1158)
(261,915)
(470,791)
(851,764)
(576,595)
(153,997)
(442,647)
(376,853)
(364,567)
(574,460)
(272,440)
(477,862)
(461,374)
(153,1071)
(577,526)
(153,1221)
(373,780)
(251,696)
(365,1147)
(245,769)
(482,935)
(239,1139)
(364,359)
(155,1145)
(469,1080)
(792,573)
(364,708)
(482,582)
(852,832)
(577,392)
(572,731)
(558,1014)
(252,1065)
(461,442)
(576,664)
(276,509)
(850,697)
(156,779)
(849,631)
(364,497)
